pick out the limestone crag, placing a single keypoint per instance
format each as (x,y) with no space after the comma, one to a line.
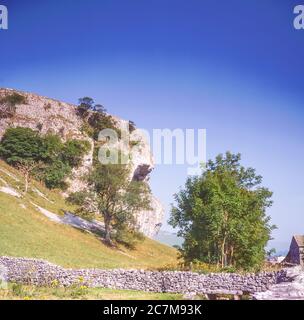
(52,116)
(290,289)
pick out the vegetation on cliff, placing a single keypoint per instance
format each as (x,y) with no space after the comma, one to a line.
(46,158)
(95,118)
(8,104)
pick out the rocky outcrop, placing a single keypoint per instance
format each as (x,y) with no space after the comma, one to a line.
(292,288)
(42,273)
(52,116)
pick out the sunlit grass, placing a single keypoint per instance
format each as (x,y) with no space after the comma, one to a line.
(25,232)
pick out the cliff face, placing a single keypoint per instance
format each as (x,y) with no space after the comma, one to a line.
(48,115)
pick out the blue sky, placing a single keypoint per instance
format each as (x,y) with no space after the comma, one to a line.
(233,67)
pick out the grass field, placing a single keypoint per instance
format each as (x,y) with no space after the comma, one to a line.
(19,292)
(25,232)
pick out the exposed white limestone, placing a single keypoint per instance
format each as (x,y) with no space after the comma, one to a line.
(49,115)
(10,191)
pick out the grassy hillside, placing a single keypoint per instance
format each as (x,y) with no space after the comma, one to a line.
(25,232)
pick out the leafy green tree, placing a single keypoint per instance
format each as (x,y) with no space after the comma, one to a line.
(85,105)
(20,144)
(73,152)
(112,195)
(54,175)
(99,121)
(46,158)
(95,118)
(52,148)
(222,215)
(99,108)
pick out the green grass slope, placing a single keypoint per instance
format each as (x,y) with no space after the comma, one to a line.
(25,232)
(26,292)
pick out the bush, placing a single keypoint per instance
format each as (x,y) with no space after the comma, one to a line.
(52,148)
(85,105)
(99,121)
(95,118)
(8,104)
(134,143)
(56,159)
(132,126)
(55,174)
(74,151)
(87,129)
(18,289)
(47,106)
(13,99)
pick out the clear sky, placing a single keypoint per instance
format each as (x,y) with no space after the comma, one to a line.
(233,67)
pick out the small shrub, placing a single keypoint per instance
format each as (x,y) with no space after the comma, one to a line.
(8,104)
(39,126)
(74,151)
(18,289)
(13,99)
(55,175)
(87,129)
(54,283)
(132,126)
(134,143)
(47,106)
(79,289)
(85,105)
(99,121)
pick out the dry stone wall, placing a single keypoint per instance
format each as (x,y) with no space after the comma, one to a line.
(41,273)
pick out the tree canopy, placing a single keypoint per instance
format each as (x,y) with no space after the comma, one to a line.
(111,194)
(222,215)
(45,157)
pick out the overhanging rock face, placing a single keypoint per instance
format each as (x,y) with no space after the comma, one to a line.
(49,115)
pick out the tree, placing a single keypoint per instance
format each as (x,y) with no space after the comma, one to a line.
(99,108)
(99,121)
(20,144)
(23,147)
(74,150)
(26,167)
(85,105)
(112,195)
(222,215)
